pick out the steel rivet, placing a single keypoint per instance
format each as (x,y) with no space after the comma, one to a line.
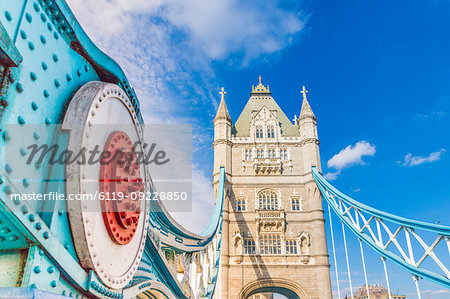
(48,121)
(66,245)
(36,7)
(60,212)
(31,46)
(8,168)
(55,35)
(21,120)
(5,136)
(44,66)
(46,235)
(78,73)
(8,16)
(8,191)
(57,83)
(38,226)
(68,77)
(33,76)
(55,58)
(49,27)
(32,217)
(13,238)
(34,106)
(23,34)
(28,17)
(37,269)
(43,17)
(19,87)
(24,209)
(53,284)
(25,183)
(36,136)
(43,40)
(46,94)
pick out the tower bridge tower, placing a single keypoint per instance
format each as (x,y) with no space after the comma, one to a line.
(273,227)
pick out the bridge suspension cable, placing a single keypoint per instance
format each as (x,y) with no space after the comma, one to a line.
(346,259)
(334,253)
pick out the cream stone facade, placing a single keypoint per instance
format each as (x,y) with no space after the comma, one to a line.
(273,228)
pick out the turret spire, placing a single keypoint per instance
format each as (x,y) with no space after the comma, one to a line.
(306,111)
(222,111)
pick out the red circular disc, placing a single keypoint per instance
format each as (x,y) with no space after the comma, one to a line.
(120,177)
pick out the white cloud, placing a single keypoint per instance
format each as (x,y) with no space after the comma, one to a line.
(434,114)
(202,203)
(331,176)
(349,156)
(216,28)
(411,160)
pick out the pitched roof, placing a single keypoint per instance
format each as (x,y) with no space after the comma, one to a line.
(222,111)
(306,110)
(256,102)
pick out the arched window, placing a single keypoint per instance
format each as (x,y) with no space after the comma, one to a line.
(270,132)
(259,132)
(268,200)
(270,243)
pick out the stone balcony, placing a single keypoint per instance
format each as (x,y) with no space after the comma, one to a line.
(267,165)
(270,220)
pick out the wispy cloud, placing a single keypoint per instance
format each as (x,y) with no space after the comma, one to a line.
(411,160)
(434,114)
(349,156)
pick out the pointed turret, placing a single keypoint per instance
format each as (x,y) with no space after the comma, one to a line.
(307,126)
(222,111)
(306,111)
(222,138)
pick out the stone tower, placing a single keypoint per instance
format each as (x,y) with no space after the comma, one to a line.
(273,227)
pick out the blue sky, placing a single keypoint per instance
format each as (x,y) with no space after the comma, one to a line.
(378,75)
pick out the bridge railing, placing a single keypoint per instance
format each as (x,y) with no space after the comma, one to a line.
(410,244)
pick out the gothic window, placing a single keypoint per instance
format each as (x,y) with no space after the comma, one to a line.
(271,153)
(291,247)
(283,154)
(270,132)
(270,244)
(296,204)
(259,132)
(268,200)
(259,153)
(249,246)
(241,205)
(248,155)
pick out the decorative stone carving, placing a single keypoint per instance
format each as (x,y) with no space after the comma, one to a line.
(304,242)
(237,244)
